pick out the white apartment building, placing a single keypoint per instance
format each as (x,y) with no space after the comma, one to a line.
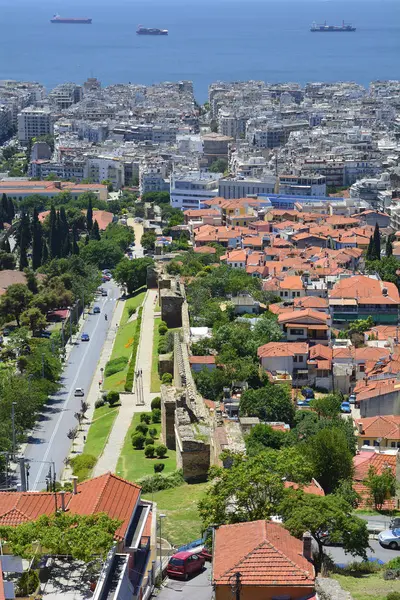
(152,178)
(102,168)
(302,185)
(65,95)
(33,122)
(191,189)
(241,187)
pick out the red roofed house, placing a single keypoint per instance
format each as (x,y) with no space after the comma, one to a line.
(285,358)
(379,460)
(306,325)
(119,499)
(197,363)
(287,288)
(272,563)
(380,431)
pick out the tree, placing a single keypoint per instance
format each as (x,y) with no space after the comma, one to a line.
(132,273)
(5,245)
(327,518)
(53,234)
(210,384)
(7,260)
(161,451)
(148,240)
(149,451)
(37,241)
(250,489)
(218,166)
(24,241)
(331,458)
(263,436)
(381,487)
(80,536)
(75,247)
(370,255)
(95,233)
(15,301)
(89,215)
(377,242)
(270,403)
(346,491)
(65,242)
(327,406)
(389,247)
(138,440)
(34,319)
(4,209)
(156,415)
(103,253)
(45,252)
(11,210)
(112,397)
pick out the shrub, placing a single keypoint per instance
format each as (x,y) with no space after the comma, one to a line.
(138,440)
(156,415)
(162,329)
(155,483)
(145,418)
(393,564)
(166,378)
(131,310)
(163,324)
(393,596)
(162,346)
(158,467)
(161,451)
(149,441)
(115,365)
(156,402)
(153,432)
(28,583)
(149,451)
(112,398)
(82,465)
(99,403)
(142,428)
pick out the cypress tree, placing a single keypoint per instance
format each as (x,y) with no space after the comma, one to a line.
(370,250)
(65,242)
(23,259)
(4,209)
(24,241)
(389,248)
(75,247)
(53,242)
(45,253)
(11,209)
(95,233)
(377,242)
(58,234)
(37,241)
(89,216)
(1,222)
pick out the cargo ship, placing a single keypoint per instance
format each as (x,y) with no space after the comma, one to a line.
(58,19)
(335,28)
(152,31)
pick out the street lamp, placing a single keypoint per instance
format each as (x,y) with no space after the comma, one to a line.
(14,404)
(161,516)
(101,371)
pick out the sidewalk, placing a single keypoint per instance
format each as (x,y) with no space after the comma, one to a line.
(94,392)
(108,460)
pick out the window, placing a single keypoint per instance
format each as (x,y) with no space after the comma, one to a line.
(301,358)
(295,358)
(286,294)
(376,443)
(366,443)
(296,331)
(362,368)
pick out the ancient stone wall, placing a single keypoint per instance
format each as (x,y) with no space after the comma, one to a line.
(171,307)
(192,447)
(168,406)
(330,589)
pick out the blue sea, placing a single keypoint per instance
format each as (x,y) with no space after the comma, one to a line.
(208,40)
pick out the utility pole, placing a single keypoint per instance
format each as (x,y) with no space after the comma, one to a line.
(14,444)
(22,474)
(236,585)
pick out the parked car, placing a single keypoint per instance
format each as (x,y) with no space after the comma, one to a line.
(345,408)
(79,392)
(96,310)
(104,293)
(394,523)
(390,538)
(185,564)
(352,398)
(206,553)
(304,403)
(85,337)
(308,393)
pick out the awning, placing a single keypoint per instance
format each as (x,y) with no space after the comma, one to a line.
(342,302)
(306,326)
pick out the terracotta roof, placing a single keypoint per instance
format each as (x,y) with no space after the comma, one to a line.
(383,332)
(365,289)
(202,360)
(312,488)
(108,493)
(386,427)
(320,351)
(265,554)
(103,218)
(292,282)
(299,315)
(205,250)
(311,302)
(282,349)
(378,460)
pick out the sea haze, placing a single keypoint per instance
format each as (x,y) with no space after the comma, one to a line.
(208,40)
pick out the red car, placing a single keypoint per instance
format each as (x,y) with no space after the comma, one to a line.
(206,553)
(185,564)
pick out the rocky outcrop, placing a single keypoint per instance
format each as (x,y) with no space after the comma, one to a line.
(330,589)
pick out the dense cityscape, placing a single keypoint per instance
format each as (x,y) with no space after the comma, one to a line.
(199,351)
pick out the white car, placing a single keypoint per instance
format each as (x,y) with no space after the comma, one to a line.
(390,538)
(79,392)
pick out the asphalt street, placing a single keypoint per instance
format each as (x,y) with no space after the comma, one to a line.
(49,442)
(196,588)
(340,557)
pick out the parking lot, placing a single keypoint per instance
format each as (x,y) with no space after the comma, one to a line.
(196,588)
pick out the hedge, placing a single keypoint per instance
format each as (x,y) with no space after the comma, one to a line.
(115,365)
(131,369)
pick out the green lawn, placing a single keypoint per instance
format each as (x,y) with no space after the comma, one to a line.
(368,587)
(99,430)
(182,523)
(133,465)
(155,379)
(123,344)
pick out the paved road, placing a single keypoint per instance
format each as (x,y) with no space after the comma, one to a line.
(197,588)
(340,557)
(49,440)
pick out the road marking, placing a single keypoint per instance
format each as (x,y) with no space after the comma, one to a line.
(50,442)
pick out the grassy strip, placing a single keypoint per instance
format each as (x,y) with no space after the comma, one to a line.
(123,344)
(182,523)
(99,430)
(155,383)
(367,587)
(133,465)
(131,368)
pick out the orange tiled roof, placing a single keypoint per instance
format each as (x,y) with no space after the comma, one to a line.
(312,488)
(311,302)
(265,554)
(298,315)
(282,349)
(383,332)
(365,289)
(108,493)
(386,427)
